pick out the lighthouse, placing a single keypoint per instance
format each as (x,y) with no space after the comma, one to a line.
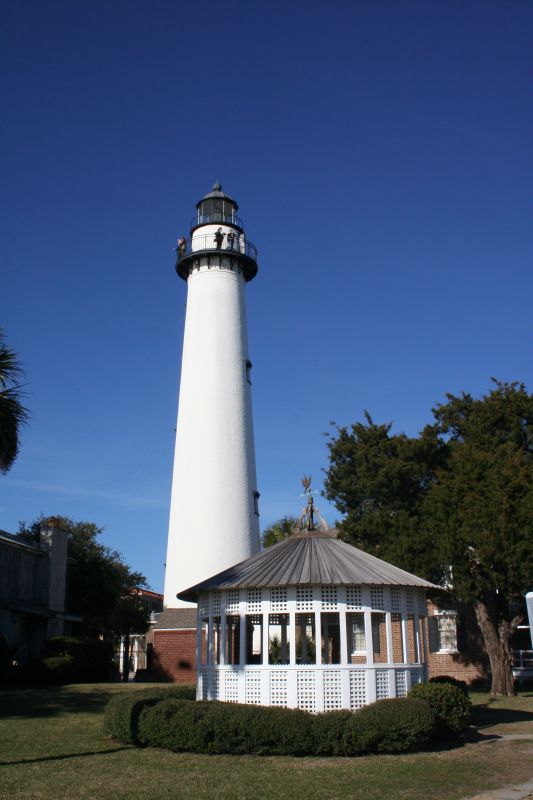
(214,516)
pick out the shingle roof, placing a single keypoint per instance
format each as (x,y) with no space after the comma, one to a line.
(171,618)
(307,558)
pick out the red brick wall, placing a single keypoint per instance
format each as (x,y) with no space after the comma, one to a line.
(470,663)
(175,655)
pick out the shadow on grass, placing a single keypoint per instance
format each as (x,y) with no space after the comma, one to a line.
(485,715)
(18,761)
(51,701)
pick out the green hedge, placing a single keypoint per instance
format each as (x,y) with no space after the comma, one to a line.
(181,725)
(123,710)
(398,725)
(449,703)
(217,728)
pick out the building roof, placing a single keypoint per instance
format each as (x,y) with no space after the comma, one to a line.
(217,193)
(171,618)
(18,541)
(307,558)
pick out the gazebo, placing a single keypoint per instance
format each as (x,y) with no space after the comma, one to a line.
(310,623)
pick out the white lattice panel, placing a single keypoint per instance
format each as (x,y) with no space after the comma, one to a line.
(401,683)
(305,681)
(422,604)
(353,598)
(382,684)
(232,602)
(253,600)
(329,598)
(410,600)
(215,685)
(396,599)
(332,690)
(278,598)
(252,687)
(278,688)
(304,598)
(232,687)
(376,598)
(357,689)
(215,603)
(203,605)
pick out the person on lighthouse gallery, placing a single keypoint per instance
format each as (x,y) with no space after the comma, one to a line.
(219,238)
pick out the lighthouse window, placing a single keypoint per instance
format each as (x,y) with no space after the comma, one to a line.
(248,365)
(256,497)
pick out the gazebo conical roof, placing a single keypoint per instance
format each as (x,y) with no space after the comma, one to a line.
(307,558)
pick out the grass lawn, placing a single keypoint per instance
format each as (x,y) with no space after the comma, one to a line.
(52,746)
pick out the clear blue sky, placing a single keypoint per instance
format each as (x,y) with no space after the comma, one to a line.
(380,153)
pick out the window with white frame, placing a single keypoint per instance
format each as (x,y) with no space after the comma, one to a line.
(356,633)
(442,630)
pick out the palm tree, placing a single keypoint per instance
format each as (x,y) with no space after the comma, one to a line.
(278,531)
(13,415)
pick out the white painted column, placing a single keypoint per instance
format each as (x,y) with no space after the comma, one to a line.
(388,628)
(345,656)
(370,672)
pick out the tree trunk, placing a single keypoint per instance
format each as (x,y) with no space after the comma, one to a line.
(497,641)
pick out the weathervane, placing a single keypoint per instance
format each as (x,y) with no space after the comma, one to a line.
(310,518)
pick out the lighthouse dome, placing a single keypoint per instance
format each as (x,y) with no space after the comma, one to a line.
(217,207)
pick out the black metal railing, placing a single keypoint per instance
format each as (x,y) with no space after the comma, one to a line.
(216,218)
(218,243)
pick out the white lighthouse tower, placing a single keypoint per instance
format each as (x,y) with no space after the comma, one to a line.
(214,518)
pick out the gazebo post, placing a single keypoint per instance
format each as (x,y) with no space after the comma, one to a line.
(242,651)
(390,650)
(370,673)
(344,659)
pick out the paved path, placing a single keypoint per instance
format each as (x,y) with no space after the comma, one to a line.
(519,791)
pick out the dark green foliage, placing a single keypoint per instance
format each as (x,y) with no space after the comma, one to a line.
(122,712)
(85,659)
(57,669)
(398,725)
(329,729)
(278,531)
(458,496)
(13,415)
(462,685)
(100,582)
(388,726)
(449,704)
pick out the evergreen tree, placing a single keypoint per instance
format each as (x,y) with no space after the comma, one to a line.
(457,499)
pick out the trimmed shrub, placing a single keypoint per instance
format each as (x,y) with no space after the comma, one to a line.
(397,725)
(226,728)
(90,659)
(388,726)
(449,704)
(328,732)
(122,712)
(462,685)
(58,669)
